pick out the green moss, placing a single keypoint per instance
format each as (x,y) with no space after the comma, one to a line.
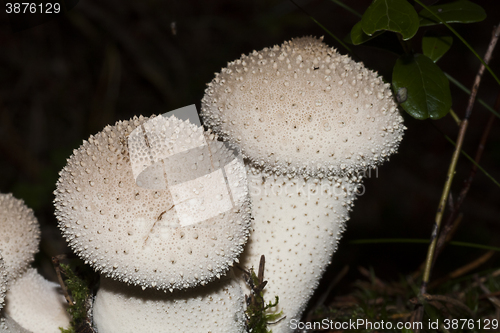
(260,313)
(80,293)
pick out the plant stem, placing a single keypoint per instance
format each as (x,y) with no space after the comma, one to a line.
(468,181)
(421,241)
(455,117)
(346,7)
(442,203)
(463,88)
(453,163)
(406,45)
(486,173)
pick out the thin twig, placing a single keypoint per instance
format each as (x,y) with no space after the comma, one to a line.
(453,163)
(444,299)
(467,91)
(485,289)
(464,269)
(57,267)
(446,235)
(467,184)
(467,156)
(493,294)
(477,158)
(455,117)
(456,154)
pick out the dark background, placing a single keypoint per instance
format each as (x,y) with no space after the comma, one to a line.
(110,60)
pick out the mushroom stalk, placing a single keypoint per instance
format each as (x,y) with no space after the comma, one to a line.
(297,224)
(217,308)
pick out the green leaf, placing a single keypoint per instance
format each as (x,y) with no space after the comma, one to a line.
(427,88)
(393,15)
(461,39)
(436,47)
(358,36)
(461,11)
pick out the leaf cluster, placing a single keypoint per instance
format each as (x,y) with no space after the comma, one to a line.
(420,86)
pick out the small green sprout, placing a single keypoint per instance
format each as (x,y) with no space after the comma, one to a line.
(259,314)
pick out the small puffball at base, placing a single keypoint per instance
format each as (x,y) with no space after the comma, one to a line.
(9,325)
(37,304)
(303,108)
(19,236)
(157,203)
(296,225)
(215,308)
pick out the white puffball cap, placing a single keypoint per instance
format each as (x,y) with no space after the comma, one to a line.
(155,202)
(19,236)
(37,304)
(304,108)
(216,308)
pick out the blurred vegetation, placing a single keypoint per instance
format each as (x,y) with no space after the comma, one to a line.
(109,60)
(80,295)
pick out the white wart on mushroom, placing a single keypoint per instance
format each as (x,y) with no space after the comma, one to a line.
(307,118)
(143,203)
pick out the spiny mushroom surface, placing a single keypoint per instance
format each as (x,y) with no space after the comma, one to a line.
(297,226)
(19,236)
(157,203)
(3,281)
(37,304)
(302,108)
(215,308)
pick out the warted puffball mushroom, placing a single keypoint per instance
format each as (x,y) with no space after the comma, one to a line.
(144,213)
(37,304)
(156,203)
(20,235)
(308,120)
(31,302)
